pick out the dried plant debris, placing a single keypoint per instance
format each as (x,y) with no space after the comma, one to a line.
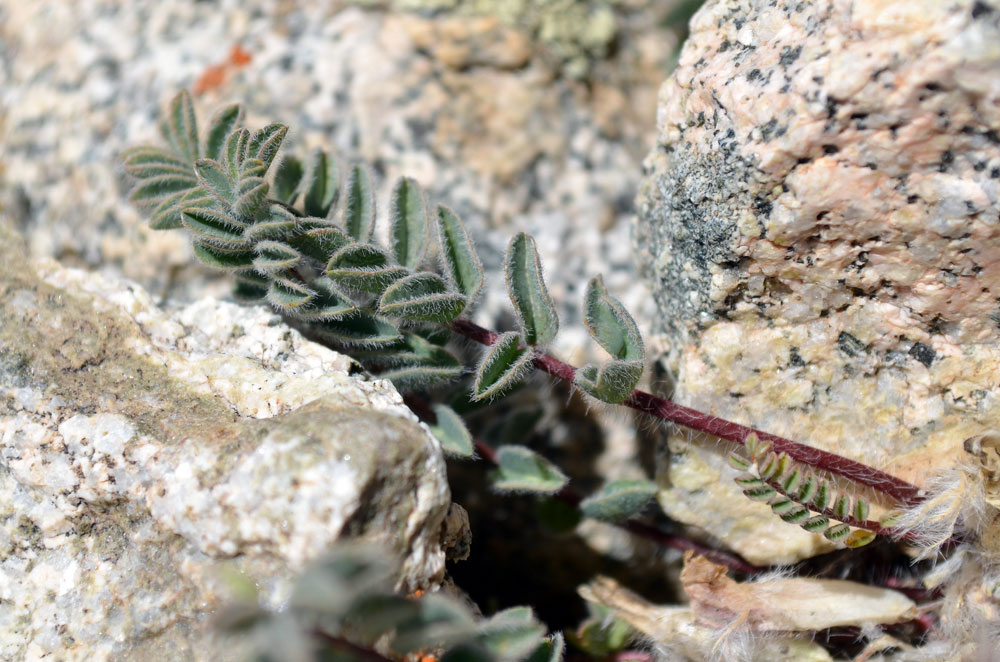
(787,604)
(676,634)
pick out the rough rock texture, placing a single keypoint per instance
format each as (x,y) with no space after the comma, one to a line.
(819,225)
(465,101)
(141,450)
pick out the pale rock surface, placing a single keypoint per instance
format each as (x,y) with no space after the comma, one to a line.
(141,450)
(819,225)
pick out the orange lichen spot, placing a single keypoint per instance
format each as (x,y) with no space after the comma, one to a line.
(239,57)
(216,75)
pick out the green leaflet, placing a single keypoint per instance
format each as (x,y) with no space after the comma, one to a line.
(837,532)
(287,179)
(459,259)
(422,297)
(521,469)
(859,538)
(157,188)
(320,185)
(511,634)
(180,127)
(222,258)
(439,622)
(274,257)
(320,241)
(167,216)
(535,310)
(503,366)
(363,267)
(738,462)
(280,225)
(610,324)
(288,295)
(222,124)
(359,210)
(618,500)
(265,143)
(329,304)
(372,616)
(147,162)
(251,195)
(214,179)
(408,216)
(136,159)
(359,328)
(612,382)
(214,227)
(233,152)
(550,650)
(250,287)
(842,506)
(414,363)
(450,430)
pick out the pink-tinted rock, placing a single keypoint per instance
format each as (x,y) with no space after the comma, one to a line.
(820,227)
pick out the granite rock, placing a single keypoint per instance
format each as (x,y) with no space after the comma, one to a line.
(818,225)
(143,450)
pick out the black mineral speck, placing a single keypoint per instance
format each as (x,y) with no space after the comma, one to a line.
(922,353)
(762,206)
(789,55)
(980,9)
(795,359)
(830,149)
(849,344)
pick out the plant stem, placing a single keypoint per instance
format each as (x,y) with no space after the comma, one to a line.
(904,492)
(571,498)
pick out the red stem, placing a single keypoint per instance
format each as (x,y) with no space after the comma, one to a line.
(904,492)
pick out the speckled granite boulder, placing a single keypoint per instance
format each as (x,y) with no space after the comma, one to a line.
(141,450)
(819,225)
